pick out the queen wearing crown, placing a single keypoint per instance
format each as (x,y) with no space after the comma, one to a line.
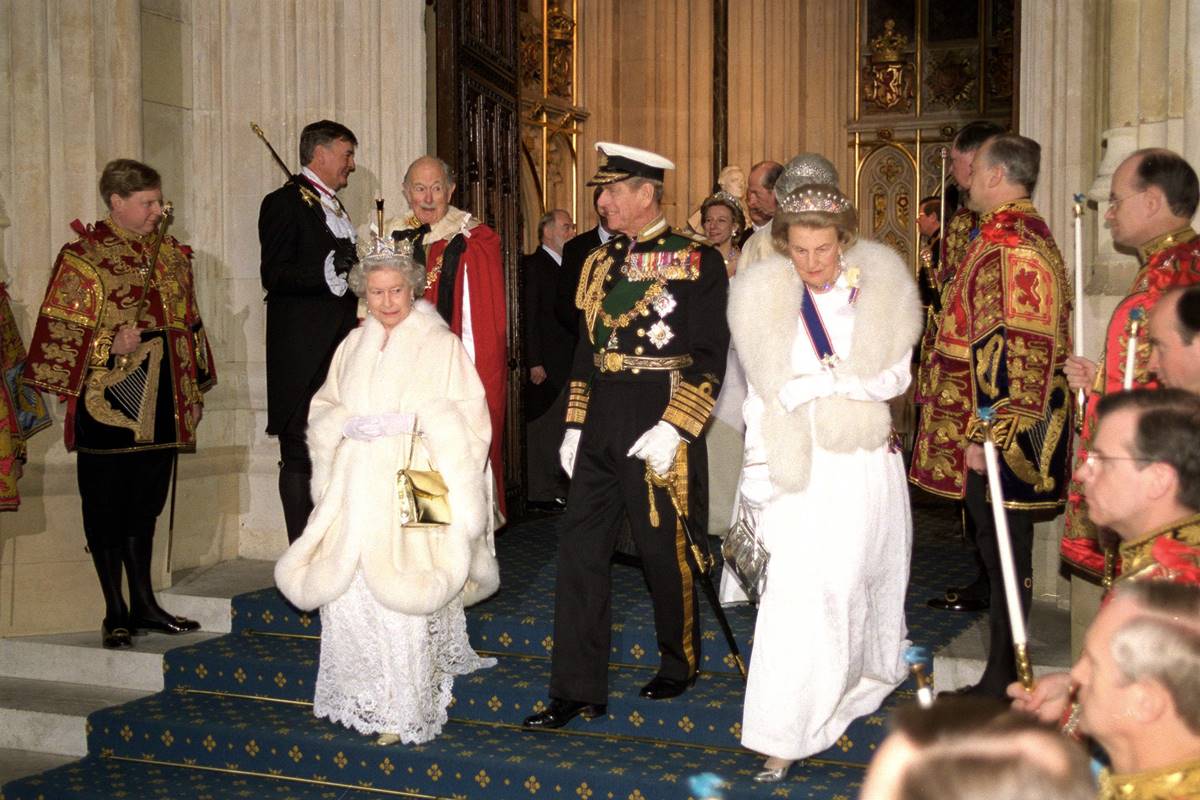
(824,326)
(401,396)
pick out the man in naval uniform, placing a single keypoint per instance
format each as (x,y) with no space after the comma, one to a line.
(1002,340)
(646,375)
(307,245)
(119,336)
(1150,206)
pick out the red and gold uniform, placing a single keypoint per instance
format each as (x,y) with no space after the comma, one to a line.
(127,431)
(97,287)
(22,411)
(1002,341)
(953,247)
(1168,261)
(465,281)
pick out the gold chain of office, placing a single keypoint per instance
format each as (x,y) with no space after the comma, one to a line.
(639,308)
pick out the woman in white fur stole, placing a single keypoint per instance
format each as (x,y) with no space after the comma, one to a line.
(393,631)
(824,328)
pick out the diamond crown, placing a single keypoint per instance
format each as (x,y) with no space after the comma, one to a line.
(815,200)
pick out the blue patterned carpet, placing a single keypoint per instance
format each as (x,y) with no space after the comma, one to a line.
(235,718)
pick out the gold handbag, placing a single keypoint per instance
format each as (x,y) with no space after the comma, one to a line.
(424,496)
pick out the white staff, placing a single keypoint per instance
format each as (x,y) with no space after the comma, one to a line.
(1136,315)
(1016,619)
(1081,394)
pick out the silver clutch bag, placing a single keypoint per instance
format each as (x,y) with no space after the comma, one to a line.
(745,554)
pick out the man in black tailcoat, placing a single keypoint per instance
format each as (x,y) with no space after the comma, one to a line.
(549,346)
(574,253)
(307,244)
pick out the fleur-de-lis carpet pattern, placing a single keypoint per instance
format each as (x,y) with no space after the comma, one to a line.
(235,718)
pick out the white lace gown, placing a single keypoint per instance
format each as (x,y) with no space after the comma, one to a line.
(830,635)
(386,672)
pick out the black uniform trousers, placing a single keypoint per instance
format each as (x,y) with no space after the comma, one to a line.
(1001,669)
(122,494)
(606,485)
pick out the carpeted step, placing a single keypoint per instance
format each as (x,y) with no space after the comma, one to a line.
(105,778)
(709,714)
(468,760)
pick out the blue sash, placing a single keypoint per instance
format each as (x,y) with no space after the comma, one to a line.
(815,327)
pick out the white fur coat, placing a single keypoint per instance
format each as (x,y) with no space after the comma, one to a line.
(764,307)
(423,370)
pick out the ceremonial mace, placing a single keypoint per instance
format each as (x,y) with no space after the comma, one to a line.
(1016,619)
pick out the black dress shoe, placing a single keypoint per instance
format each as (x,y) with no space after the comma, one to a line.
(560,712)
(115,636)
(665,688)
(164,623)
(953,601)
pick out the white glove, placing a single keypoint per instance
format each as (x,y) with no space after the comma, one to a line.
(657,447)
(369,427)
(805,389)
(567,450)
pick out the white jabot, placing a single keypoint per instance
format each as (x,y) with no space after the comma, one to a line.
(337,219)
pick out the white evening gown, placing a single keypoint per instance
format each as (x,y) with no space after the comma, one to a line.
(830,635)
(383,671)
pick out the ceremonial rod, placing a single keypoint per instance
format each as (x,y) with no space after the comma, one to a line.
(1136,316)
(259,132)
(1016,619)
(1080,394)
(944,154)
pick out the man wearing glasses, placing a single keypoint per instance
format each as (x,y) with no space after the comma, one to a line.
(1154,195)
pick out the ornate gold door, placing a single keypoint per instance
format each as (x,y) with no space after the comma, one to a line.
(924,67)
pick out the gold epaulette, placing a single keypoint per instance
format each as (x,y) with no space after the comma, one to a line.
(687,233)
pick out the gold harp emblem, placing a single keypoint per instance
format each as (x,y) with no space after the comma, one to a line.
(125,396)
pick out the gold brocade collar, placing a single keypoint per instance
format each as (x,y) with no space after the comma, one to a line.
(1023,205)
(1168,783)
(1156,245)
(655,228)
(1136,556)
(128,236)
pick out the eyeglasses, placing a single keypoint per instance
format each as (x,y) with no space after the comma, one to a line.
(1114,201)
(1094,460)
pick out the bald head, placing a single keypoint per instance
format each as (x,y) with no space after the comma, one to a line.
(428,187)
(761,197)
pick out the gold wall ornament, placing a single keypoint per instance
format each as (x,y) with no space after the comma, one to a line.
(889,76)
(560,52)
(530,51)
(951,80)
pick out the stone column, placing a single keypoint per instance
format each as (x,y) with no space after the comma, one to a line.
(70,85)
(1058,78)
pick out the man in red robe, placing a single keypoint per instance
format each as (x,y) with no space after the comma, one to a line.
(1154,195)
(465,281)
